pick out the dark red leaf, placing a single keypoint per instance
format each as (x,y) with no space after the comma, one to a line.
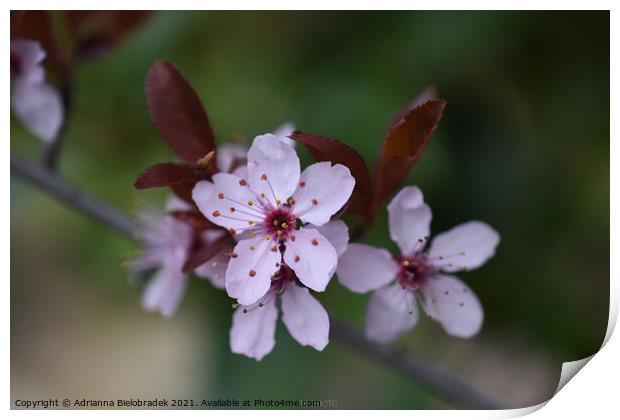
(95,32)
(167,174)
(204,252)
(403,146)
(184,191)
(194,218)
(326,149)
(16,17)
(428,94)
(177,113)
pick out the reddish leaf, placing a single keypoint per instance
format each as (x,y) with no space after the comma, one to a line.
(326,149)
(177,113)
(204,252)
(167,174)
(428,94)
(184,191)
(16,17)
(193,218)
(403,146)
(96,32)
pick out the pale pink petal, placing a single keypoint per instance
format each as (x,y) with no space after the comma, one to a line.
(174,203)
(227,201)
(248,276)
(211,235)
(284,131)
(253,332)
(165,291)
(230,156)
(451,302)
(363,268)
(29,56)
(312,258)
(410,220)
(336,232)
(39,108)
(215,269)
(273,168)
(323,190)
(463,247)
(392,310)
(163,231)
(241,172)
(304,317)
(147,260)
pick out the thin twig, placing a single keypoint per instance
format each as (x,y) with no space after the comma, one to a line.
(421,371)
(90,206)
(450,389)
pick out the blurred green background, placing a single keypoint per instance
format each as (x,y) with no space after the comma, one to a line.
(523,145)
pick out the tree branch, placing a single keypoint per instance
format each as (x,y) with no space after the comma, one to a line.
(439,383)
(421,371)
(90,206)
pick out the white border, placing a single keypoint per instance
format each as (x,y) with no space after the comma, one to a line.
(594,391)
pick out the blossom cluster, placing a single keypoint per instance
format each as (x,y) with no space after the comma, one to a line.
(270,234)
(39,101)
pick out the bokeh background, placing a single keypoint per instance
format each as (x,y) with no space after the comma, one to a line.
(523,145)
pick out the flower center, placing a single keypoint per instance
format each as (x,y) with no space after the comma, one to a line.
(414,270)
(280,222)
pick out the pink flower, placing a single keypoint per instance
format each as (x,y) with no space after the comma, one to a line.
(168,243)
(253,327)
(232,157)
(266,207)
(35,103)
(419,274)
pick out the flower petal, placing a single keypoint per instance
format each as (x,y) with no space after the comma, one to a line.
(174,203)
(29,55)
(161,231)
(273,168)
(392,310)
(336,232)
(363,268)
(452,303)
(464,247)
(253,332)
(285,130)
(165,291)
(241,172)
(312,258)
(323,190)
(304,317)
(230,156)
(39,108)
(248,276)
(227,201)
(215,269)
(410,220)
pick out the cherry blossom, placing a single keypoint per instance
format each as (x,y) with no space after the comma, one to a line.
(419,276)
(253,327)
(34,102)
(232,157)
(267,209)
(168,242)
